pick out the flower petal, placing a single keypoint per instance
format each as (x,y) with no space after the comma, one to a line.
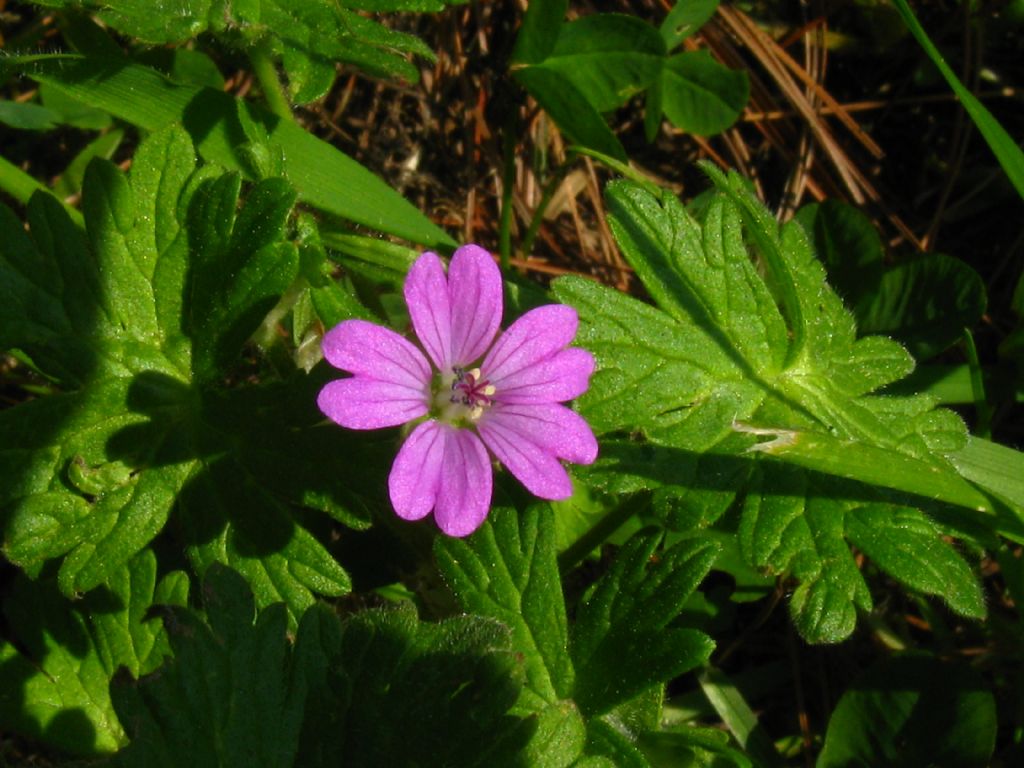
(377,352)
(416,472)
(547,427)
(426,294)
(536,335)
(475,293)
(562,376)
(536,468)
(364,403)
(464,495)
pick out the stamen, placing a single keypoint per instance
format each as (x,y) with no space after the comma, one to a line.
(470,394)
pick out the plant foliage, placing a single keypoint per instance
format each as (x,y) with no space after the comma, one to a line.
(731,373)
(138,321)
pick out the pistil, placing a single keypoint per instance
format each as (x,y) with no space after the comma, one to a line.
(464,396)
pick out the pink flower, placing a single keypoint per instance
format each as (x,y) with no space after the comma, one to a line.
(471,393)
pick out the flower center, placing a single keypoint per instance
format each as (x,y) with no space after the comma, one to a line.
(463,396)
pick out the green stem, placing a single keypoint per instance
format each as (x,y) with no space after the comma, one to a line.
(21,186)
(601,531)
(265,71)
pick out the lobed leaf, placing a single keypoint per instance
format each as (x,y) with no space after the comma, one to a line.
(309,37)
(904,543)
(227,697)
(735,372)
(239,268)
(626,615)
(924,301)
(381,689)
(144,318)
(508,570)
(434,695)
(54,684)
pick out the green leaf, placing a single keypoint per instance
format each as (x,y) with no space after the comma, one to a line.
(27,116)
(406,6)
(228,697)
(70,182)
(609,742)
(258,267)
(570,110)
(559,738)
(323,177)
(739,718)
(508,571)
(848,246)
(608,57)
(382,689)
(904,543)
(144,319)
(175,22)
(626,615)
(997,469)
(194,68)
(880,466)
(54,684)
(912,710)
(685,18)
(732,369)
(924,302)
(688,745)
(701,96)
(412,693)
(33,272)
(541,26)
(108,326)
(309,37)
(73,112)
(230,518)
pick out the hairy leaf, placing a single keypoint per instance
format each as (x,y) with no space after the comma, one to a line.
(54,684)
(141,320)
(736,370)
(381,689)
(626,615)
(924,301)
(309,37)
(508,570)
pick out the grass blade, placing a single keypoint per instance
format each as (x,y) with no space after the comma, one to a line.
(1009,155)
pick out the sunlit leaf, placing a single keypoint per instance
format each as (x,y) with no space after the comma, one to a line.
(731,369)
